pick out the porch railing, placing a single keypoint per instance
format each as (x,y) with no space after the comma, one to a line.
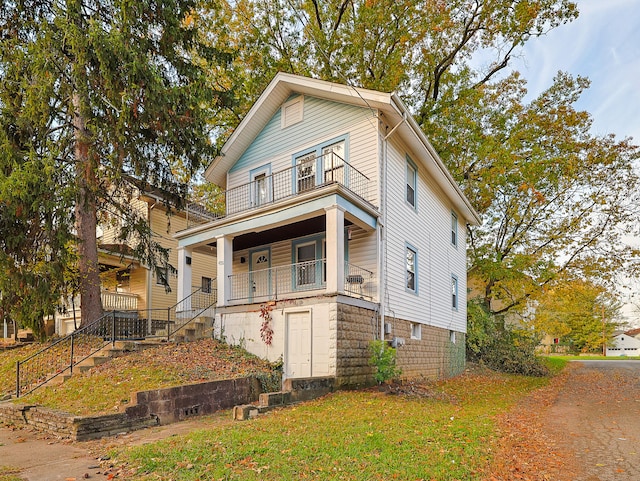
(358,282)
(119,301)
(313,173)
(275,282)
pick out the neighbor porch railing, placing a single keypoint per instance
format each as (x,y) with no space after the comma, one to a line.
(276,282)
(313,173)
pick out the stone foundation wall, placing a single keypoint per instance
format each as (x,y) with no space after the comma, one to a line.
(433,356)
(356,328)
(160,406)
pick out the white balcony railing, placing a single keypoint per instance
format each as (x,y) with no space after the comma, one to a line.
(276,282)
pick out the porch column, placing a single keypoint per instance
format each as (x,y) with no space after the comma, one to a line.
(185,255)
(335,248)
(225,260)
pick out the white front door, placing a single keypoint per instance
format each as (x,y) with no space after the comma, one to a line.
(261,186)
(260,274)
(298,345)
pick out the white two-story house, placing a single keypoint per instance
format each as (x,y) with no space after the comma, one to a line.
(341,226)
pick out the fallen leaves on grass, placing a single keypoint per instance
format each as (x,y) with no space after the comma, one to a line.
(108,388)
(525,451)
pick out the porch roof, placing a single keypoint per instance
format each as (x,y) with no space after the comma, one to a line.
(300,210)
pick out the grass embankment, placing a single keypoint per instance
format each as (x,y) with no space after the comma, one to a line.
(108,388)
(445,433)
(7,473)
(9,355)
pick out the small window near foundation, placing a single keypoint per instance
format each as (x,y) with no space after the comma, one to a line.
(452,336)
(416,331)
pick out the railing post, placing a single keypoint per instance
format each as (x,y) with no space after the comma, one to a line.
(168,322)
(71,360)
(17,379)
(113,328)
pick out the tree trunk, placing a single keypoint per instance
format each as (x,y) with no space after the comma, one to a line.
(86,220)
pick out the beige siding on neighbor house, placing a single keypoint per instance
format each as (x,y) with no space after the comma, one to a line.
(428,229)
(164,227)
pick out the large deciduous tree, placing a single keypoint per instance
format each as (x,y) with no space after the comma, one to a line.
(95,89)
(554,197)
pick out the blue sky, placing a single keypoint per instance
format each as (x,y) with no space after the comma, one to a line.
(603,44)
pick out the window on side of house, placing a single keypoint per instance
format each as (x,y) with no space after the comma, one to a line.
(452,337)
(416,331)
(411,277)
(162,276)
(206,285)
(412,183)
(454,229)
(454,292)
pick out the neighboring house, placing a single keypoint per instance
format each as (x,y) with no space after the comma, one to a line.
(342,226)
(623,345)
(127,285)
(633,333)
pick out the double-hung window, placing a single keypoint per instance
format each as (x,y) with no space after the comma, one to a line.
(412,182)
(454,229)
(411,276)
(306,171)
(333,162)
(205,285)
(454,292)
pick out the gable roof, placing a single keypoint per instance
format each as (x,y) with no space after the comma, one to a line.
(284,85)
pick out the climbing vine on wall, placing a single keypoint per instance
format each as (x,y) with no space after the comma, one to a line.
(266,331)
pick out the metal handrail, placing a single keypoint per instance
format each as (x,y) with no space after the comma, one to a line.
(65,353)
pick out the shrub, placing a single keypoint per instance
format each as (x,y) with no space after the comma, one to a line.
(501,347)
(383,357)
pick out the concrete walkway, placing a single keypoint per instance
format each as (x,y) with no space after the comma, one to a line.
(41,457)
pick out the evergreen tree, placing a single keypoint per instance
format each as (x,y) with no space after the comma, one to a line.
(98,89)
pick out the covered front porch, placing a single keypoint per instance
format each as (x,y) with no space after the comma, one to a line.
(325,245)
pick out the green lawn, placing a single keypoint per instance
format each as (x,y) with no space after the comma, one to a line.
(354,435)
(594,357)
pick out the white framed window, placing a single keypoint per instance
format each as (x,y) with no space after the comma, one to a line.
(454,292)
(411,276)
(306,171)
(292,112)
(416,331)
(452,337)
(333,162)
(412,183)
(454,229)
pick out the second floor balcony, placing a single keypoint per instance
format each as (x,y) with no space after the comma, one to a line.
(310,173)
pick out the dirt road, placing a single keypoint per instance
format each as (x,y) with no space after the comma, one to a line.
(597,416)
(585,426)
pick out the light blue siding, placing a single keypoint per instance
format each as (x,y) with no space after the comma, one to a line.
(321,118)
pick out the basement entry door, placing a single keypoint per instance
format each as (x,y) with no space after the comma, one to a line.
(298,344)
